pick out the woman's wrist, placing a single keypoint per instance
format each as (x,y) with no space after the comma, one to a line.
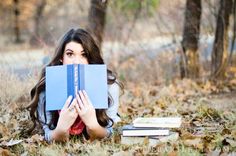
(93,127)
(96,131)
(91,130)
(59,134)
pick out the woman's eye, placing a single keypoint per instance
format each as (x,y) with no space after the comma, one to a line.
(84,54)
(69,54)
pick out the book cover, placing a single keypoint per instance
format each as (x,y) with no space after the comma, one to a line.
(167,122)
(65,80)
(130,130)
(151,141)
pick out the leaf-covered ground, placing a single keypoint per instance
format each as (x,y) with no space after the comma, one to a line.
(208,114)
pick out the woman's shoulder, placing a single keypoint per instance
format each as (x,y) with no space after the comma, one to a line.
(42,94)
(42,97)
(113,87)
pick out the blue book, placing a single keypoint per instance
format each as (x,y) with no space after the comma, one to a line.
(65,80)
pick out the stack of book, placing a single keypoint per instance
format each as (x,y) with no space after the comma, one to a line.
(154,130)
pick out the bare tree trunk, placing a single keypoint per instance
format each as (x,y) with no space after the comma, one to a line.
(35,38)
(97,19)
(16,21)
(234,33)
(136,15)
(220,48)
(190,39)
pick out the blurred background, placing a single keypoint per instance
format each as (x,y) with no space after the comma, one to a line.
(174,57)
(152,41)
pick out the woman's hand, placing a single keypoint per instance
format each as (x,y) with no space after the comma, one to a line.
(86,110)
(66,119)
(88,116)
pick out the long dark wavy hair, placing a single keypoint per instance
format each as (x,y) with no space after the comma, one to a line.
(93,55)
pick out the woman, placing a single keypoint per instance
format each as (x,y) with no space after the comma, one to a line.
(79,117)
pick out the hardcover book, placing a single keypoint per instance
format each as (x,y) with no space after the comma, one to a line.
(65,80)
(130,130)
(167,122)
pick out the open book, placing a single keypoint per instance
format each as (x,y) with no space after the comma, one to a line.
(65,80)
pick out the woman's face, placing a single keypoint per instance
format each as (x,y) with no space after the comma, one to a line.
(74,54)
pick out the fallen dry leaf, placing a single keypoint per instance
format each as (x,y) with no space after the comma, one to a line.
(35,138)
(5,152)
(172,153)
(197,143)
(10,143)
(231,142)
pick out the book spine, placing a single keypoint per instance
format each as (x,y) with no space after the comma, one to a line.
(70,78)
(81,77)
(76,81)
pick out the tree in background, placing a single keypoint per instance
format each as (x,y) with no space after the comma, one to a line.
(220,48)
(97,19)
(190,59)
(127,14)
(35,38)
(234,33)
(16,21)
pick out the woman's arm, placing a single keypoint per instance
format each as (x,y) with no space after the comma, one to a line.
(44,117)
(97,132)
(59,135)
(112,111)
(102,133)
(88,116)
(67,117)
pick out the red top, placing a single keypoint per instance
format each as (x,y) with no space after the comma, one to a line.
(77,127)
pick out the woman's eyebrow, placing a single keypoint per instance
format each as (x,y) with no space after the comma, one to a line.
(69,50)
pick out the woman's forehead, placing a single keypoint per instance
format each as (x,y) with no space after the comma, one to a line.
(74,46)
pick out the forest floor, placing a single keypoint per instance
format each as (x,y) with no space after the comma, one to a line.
(208,114)
(207,109)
